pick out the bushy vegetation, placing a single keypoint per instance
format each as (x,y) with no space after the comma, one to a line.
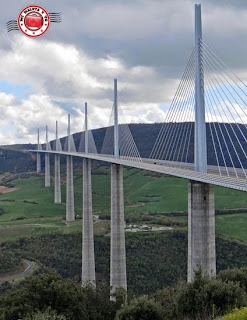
(49,290)
(237,314)
(154,260)
(206,299)
(143,308)
(203,299)
(2,211)
(49,314)
(47,296)
(9,261)
(143,251)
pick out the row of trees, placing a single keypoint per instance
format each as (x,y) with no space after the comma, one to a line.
(48,296)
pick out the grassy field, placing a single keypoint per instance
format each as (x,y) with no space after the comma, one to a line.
(30,209)
(232,225)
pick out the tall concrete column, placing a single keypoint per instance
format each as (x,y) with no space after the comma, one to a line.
(118,278)
(47,163)
(201,229)
(38,155)
(70,207)
(70,203)
(57,182)
(88,259)
(47,170)
(38,162)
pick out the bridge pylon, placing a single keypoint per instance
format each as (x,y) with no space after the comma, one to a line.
(200,124)
(201,211)
(47,162)
(88,257)
(70,203)
(38,155)
(57,182)
(118,278)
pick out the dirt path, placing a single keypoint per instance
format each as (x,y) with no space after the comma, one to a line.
(4,190)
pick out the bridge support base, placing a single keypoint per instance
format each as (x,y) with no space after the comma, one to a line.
(38,162)
(201,229)
(57,185)
(118,277)
(88,259)
(70,206)
(47,170)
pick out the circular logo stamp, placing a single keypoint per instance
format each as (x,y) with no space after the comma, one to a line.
(33,21)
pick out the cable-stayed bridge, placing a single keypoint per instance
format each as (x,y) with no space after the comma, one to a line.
(203,139)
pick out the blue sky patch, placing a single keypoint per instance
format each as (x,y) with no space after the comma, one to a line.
(19,91)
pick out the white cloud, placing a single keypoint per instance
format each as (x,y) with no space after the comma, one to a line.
(136,20)
(62,73)
(6,99)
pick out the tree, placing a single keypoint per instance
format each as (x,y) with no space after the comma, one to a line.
(205,298)
(44,291)
(50,291)
(142,308)
(237,314)
(49,314)
(235,275)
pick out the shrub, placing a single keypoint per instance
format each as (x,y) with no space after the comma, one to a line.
(142,308)
(235,275)
(49,314)
(47,290)
(10,261)
(205,298)
(2,211)
(237,314)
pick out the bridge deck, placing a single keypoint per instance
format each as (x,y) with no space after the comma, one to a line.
(187,173)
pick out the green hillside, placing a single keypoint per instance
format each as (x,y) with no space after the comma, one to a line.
(149,198)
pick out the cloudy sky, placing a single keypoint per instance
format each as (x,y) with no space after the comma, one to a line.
(144,43)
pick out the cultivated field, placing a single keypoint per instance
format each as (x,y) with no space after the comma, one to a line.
(29,210)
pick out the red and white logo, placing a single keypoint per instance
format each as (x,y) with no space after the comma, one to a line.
(33,21)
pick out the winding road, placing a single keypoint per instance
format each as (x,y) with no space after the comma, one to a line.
(11,277)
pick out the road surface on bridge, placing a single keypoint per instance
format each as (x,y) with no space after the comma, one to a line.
(153,165)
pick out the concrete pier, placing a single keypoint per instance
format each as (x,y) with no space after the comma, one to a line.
(47,162)
(47,171)
(57,182)
(70,203)
(70,207)
(38,162)
(88,260)
(201,229)
(118,277)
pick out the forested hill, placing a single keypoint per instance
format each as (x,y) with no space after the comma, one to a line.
(145,135)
